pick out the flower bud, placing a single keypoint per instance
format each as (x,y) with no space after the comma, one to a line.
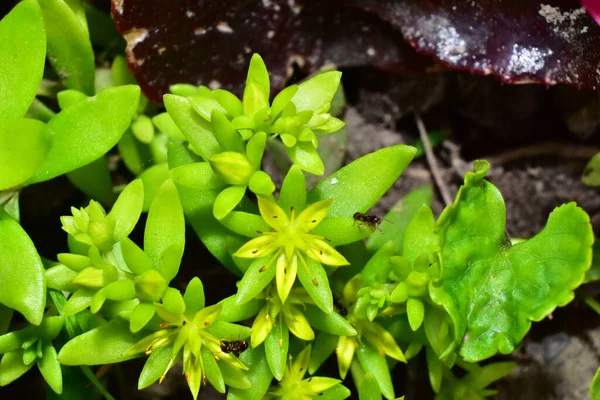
(232,167)
(150,285)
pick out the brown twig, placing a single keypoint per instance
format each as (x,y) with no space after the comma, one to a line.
(566,150)
(437,177)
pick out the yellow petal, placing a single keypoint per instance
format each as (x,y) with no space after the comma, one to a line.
(320,251)
(272,214)
(297,323)
(258,247)
(312,215)
(286,275)
(345,353)
(262,326)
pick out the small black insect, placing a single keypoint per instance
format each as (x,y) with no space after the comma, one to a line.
(234,346)
(372,221)
(339,308)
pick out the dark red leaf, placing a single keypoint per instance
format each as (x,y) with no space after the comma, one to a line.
(210,42)
(550,41)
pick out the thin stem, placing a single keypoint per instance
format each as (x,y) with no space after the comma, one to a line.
(594,305)
(432,161)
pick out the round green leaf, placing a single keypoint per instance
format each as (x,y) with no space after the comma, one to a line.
(106,344)
(22,57)
(173,301)
(87,130)
(69,47)
(24,144)
(360,184)
(21,271)
(261,183)
(69,97)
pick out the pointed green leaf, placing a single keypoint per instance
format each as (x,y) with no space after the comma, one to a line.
(234,377)
(313,277)
(348,186)
(135,258)
(260,273)
(228,331)
(595,386)
(94,180)
(338,392)
(197,175)
(196,129)
(127,209)
(493,290)
(331,323)
(153,178)
(165,124)
(276,348)
(307,158)
(24,144)
(155,366)
(233,312)
(88,130)
(228,137)
(323,347)
(80,300)
(194,297)
(140,316)
(106,344)
(372,361)
(69,47)
(69,97)
(261,183)
(394,223)
(260,376)
(50,368)
(227,200)
(21,271)
(293,190)
(591,173)
(435,368)
(369,388)
(416,312)
(212,370)
(246,224)
(256,93)
(482,377)
(317,91)
(255,148)
(21,71)
(165,226)
(378,268)
(12,367)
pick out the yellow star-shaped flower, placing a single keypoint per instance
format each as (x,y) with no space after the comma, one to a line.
(290,241)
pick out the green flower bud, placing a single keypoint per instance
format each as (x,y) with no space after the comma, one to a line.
(150,285)
(232,167)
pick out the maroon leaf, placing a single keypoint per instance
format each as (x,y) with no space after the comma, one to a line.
(210,42)
(549,41)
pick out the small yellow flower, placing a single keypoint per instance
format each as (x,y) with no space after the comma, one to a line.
(289,242)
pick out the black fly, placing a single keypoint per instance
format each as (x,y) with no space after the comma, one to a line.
(234,346)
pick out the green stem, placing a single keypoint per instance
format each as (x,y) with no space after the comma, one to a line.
(594,305)
(74,329)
